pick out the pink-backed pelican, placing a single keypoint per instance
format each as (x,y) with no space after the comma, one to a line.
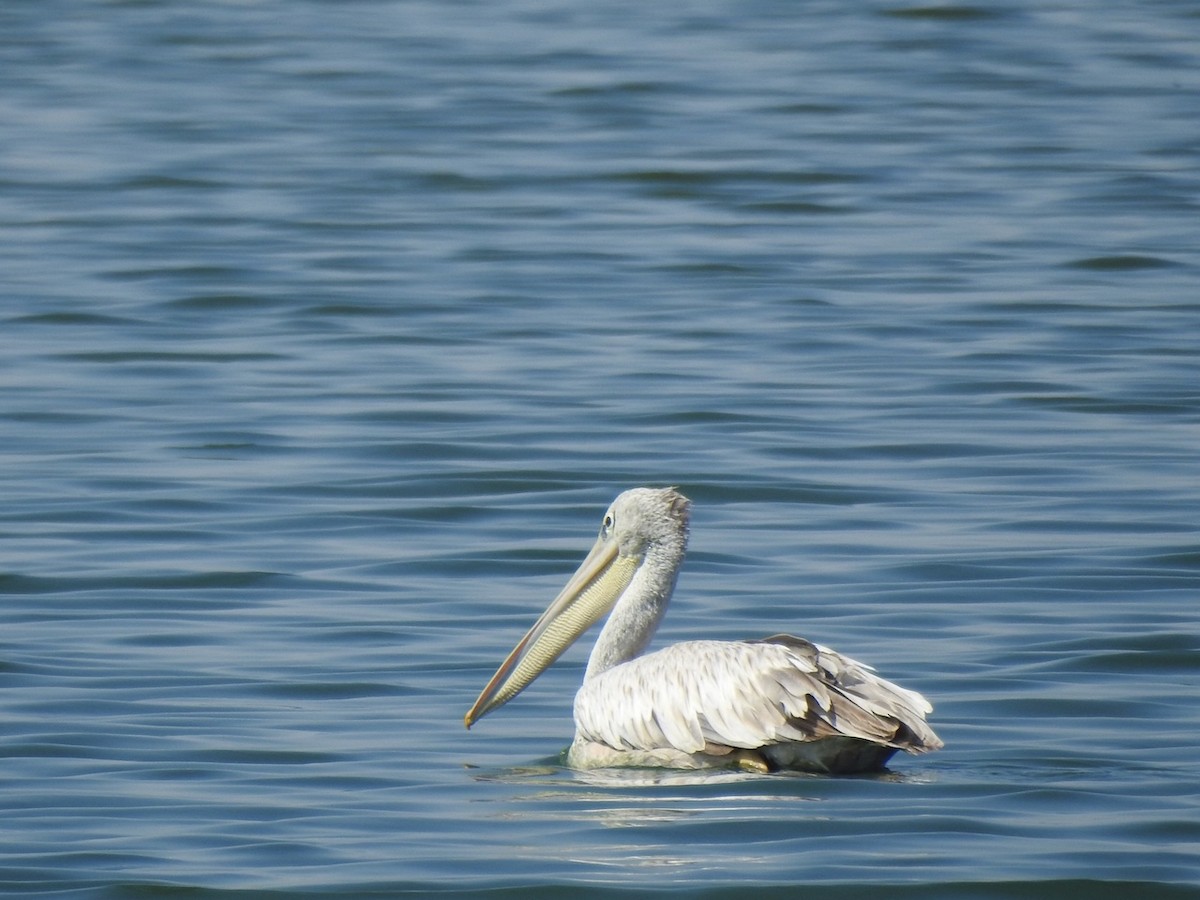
(781,702)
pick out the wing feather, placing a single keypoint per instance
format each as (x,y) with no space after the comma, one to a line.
(747,694)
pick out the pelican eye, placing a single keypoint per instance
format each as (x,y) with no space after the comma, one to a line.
(607,527)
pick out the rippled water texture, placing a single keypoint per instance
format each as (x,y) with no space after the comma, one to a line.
(330,329)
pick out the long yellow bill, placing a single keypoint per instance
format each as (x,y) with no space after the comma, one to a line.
(590,594)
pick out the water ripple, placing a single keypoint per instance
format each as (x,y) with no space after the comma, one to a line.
(333,329)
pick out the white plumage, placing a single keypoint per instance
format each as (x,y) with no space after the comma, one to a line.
(708,698)
(778,703)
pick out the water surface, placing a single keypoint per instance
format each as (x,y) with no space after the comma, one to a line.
(330,330)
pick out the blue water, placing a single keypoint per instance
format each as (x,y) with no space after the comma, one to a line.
(330,329)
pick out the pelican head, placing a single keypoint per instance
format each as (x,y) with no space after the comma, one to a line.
(643,536)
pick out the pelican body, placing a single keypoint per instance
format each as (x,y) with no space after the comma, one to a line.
(779,703)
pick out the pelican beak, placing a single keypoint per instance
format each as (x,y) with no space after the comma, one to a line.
(589,595)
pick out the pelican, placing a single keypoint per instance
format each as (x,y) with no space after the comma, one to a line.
(778,703)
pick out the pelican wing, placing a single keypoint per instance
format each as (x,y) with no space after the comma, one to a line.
(747,694)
